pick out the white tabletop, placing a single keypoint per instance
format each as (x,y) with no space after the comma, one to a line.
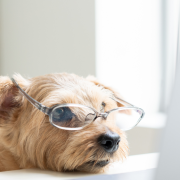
(133,163)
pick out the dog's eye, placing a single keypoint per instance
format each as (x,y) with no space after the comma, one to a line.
(102,107)
(62,114)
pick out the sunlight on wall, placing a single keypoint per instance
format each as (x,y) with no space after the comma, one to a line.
(128,49)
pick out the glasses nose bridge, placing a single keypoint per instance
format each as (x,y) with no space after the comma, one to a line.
(103,115)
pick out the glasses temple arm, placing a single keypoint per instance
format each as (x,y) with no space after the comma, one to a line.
(35,103)
(117,99)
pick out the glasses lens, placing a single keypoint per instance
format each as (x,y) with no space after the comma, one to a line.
(127,118)
(72,117)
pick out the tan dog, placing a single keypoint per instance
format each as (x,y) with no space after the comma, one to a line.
(28,140)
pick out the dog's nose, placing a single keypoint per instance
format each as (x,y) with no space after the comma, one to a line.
(110,142)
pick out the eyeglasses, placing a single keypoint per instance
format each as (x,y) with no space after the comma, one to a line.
(77,116)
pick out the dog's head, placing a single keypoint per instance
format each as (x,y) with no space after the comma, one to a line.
(28,134)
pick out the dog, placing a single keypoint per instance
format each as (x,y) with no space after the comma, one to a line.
(29,140)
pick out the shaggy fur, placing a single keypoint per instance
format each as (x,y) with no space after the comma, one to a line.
(28,140)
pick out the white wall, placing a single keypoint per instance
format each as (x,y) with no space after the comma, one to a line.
(44,36)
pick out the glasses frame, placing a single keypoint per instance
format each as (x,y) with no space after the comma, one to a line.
(48,110)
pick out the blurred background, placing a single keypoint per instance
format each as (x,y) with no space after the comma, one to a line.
(127,44)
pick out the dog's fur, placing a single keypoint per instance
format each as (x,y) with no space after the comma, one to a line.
(28,140)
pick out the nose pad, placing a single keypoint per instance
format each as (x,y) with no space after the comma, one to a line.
(109,141)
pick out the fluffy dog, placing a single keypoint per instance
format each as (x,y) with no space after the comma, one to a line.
(28,140)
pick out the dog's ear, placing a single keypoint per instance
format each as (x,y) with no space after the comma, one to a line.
(10,97)
(96,82)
